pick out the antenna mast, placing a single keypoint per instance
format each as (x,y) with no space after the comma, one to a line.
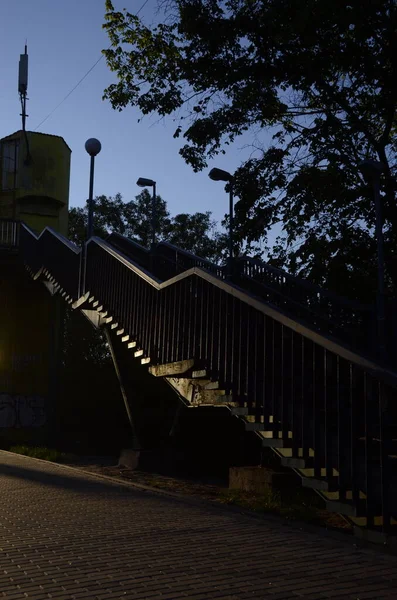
(23,84)
(23,90)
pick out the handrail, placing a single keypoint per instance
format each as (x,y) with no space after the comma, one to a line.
(54,253)
(352,323)
(125,260)
(327,342)
(64,240)
(327,312)
(299,282)
(172,252)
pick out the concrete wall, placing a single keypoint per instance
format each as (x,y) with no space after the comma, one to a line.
(38,193)
(28,339)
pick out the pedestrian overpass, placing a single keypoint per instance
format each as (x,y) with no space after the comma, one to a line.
(297,364)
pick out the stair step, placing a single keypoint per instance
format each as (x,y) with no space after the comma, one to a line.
(180,369)
(322,485)
(223,401)
(212,385)
(276,443)
(347,508)
(255,426)
(239,411)
(199,374)
(296,463)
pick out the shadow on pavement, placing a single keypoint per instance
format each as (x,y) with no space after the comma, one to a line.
(64,478)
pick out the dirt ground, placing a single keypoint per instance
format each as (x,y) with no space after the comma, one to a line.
(306,507)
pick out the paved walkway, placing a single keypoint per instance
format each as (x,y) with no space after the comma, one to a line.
(66,535)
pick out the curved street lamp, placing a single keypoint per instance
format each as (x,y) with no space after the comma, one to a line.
(144,182)
(220,175)
(93,147)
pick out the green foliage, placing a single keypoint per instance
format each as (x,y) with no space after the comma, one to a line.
(138,218)
(195,233)
(83,345)
(299,504)
(42,453)
(313,82)
(109,216)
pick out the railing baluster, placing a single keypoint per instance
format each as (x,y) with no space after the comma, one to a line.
(369,450)
(355,435)
(318,390)
(387,484)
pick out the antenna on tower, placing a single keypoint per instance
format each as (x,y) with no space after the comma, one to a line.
(23,90)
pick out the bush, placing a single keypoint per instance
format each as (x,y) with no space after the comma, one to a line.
(40,452)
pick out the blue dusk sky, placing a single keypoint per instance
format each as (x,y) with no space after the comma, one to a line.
(65,39)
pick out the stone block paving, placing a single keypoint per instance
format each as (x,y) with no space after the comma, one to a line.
(67,535)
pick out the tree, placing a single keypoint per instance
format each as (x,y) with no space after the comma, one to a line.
(138,217)
(196,233)
(318,78)
(109,216)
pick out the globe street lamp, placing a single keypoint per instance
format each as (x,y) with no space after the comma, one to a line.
(220,175)
(371,170)
(144,182)
(93,147)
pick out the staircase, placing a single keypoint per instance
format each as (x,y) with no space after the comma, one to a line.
(328,410)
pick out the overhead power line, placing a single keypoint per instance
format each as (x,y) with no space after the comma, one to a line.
(67,95)
(81,80)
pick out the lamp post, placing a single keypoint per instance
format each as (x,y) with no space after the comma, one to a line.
(93,147)
(371,170)
(220,175)
(144,182)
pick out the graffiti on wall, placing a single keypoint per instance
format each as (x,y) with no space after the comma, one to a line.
(22,411)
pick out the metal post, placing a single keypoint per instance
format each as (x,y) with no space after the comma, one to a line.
(381,269)
(154,219)
(91,201)
(230,265)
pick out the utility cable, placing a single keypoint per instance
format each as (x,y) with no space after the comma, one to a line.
(81,80)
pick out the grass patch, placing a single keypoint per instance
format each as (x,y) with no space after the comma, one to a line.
(297,505)
(41,452)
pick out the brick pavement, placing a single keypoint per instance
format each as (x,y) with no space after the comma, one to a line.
(67,535)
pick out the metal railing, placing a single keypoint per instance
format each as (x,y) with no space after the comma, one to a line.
(131,249)
(9,233)
(347,320)
(311,393)
(329,405)
(56,255)
(174,260)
